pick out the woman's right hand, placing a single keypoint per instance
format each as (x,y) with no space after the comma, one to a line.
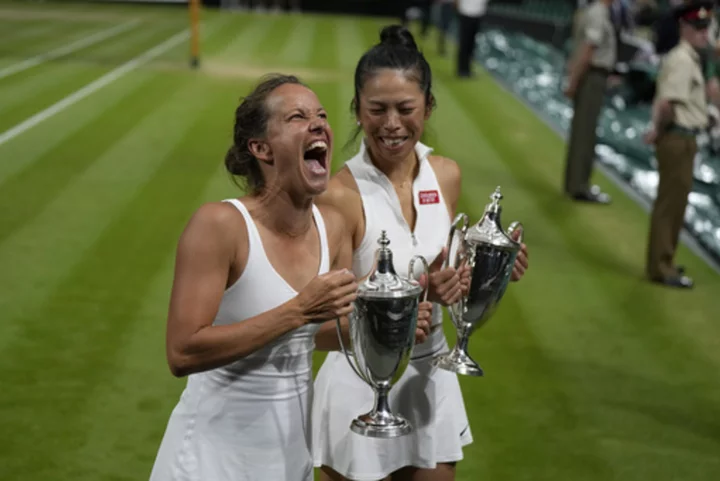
(328,296)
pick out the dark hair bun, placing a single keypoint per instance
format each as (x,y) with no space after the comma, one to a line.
(397,35)
(234,162)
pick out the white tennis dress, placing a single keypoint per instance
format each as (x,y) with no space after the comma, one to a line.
(428,397)
(249,420)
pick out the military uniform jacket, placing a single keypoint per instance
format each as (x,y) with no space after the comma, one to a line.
(595,27)
(681,82)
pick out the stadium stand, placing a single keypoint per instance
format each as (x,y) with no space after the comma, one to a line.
(525,45)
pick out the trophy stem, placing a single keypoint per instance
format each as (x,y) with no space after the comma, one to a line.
(462,341)
(381,422)
(458,360)
(382,403)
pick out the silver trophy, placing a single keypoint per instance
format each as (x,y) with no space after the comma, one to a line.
(382,336)
(490,252)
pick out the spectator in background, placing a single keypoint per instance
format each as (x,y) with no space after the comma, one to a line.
(679,113)
(266,5)
(425,9)
(667,36)
(291,5)
(713,60)
(447,10)
(622,18)
(592,63)
(470,14)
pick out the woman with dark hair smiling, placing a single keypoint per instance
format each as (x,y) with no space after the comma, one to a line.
(395,184)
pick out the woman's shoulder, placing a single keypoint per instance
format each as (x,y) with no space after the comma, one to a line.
(342,191)
(218,214)
(342,198)
(219,223)
(448,174)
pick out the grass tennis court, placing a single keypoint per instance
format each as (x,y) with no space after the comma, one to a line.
(110,143)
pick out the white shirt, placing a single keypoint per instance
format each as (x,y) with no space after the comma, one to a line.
(472,8)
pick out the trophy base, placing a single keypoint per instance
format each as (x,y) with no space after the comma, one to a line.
(384,427)
(458,362)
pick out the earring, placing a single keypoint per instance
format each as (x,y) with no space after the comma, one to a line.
(358,123)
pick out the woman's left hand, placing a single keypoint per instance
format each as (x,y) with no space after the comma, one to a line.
(423,322)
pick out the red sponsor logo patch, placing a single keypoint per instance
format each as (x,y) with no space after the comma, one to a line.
(429,197)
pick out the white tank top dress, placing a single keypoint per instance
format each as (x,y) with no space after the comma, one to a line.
(429,398)
(249,420)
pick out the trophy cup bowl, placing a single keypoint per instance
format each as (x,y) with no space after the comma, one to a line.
(382,336)
(490,254)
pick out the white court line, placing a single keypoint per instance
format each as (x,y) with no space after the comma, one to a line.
(106,79)
(77,45)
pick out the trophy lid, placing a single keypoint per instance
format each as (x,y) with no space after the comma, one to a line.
(383,282)
(488,230)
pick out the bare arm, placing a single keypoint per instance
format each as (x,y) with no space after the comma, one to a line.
(205,254)
(214,241)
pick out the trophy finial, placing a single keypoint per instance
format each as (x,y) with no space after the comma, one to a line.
(496,197)
(383,282)
(383,240)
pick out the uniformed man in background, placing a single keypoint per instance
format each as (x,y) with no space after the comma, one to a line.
(593,62)
(679,113)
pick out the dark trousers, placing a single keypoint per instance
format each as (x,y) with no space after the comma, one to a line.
(425,7)
(675,153)
(587,105)
(447,11)
(468,28)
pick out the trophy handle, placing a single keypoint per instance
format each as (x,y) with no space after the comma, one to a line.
(517,226)
(347,356)
(426,268)
(453,227)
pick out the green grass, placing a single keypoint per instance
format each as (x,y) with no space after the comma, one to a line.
(591,373)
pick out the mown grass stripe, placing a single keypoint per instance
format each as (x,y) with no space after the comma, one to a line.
(283,26)
(60,33)
(252,32)
(66,49)
(324,51)
(69,222)
(142,356)
(45,137)
(13,32)
(24,196)
(90,317)
(89,89)
(297,49)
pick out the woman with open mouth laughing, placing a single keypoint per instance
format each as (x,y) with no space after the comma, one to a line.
(254,279)
(395,184)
